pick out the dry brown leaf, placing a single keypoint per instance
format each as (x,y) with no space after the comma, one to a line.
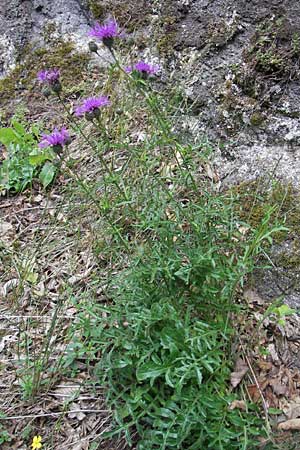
(264,365)
(76,412)
(9,286)
(279,387)
(67,392)
(254,393)
(7,340)
(238,404)
(39,289)
(81,446)
(38,198)
(5,227)
(292,408)
(271,399)
(243,230)
(240,370)
(251,296)
(211,173)
(272,350)
(76,278)
(292,424)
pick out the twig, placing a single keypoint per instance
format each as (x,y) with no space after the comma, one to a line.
(265,406)
(73,411)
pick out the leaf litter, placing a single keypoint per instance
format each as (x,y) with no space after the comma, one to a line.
(273,350)
(40,260)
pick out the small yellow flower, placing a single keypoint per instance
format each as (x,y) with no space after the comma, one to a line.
(36,442)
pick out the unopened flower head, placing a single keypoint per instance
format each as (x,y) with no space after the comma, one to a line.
(36,443)
(93,47)
(56,139)
(91,106)
(106,32)
(50,76)
(143,68)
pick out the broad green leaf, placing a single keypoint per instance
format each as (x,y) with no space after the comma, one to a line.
(36,160)
(8,136)
(285,310)
(47,174)
(18,127)
(32,277)
(281,322)
(35,131)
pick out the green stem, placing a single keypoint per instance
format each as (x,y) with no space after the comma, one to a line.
(95,201)
(91,144)
(167,133)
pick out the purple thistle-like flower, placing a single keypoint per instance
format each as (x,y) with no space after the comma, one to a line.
(143,67)
(106,32)
(50,76)
(91,104)
(56,138)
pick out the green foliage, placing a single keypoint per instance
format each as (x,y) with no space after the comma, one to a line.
(24,160)
(165,332)
(47,174)
(164,335)
(4,434)
(275,47)
(165,339)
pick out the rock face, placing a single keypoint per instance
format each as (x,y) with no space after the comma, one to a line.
(25,22)
(243,58)
(283,279)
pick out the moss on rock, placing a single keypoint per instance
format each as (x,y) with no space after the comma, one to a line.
(96,8)
(21,81)
(282,277)
(132,14)
(275,48)
(255,199)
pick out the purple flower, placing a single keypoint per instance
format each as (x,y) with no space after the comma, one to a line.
(106,32)
(50,76)
(56,138)
(143,68)
(92,105)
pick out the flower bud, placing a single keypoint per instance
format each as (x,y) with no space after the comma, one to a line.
(69,140)
(57,148)
(108,42)
(96,113)
(93,114)
(56,87)
(46,92)
(144,75)
(93,47)
(89,115)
